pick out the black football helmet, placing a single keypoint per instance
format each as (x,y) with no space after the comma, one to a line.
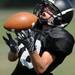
(62,11)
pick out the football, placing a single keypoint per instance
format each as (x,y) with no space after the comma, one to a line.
(20,21)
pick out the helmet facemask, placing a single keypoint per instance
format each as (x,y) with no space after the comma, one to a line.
(46,17)
(52,10)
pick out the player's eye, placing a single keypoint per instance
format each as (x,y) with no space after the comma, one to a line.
(43,14)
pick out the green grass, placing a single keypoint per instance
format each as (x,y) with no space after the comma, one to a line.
(6,67)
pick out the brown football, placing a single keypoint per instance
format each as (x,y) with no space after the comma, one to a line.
(21,20)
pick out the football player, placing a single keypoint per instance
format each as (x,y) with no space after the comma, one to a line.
(44,47)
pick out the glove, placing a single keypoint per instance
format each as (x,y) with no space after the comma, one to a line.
(11,43)
(26,37)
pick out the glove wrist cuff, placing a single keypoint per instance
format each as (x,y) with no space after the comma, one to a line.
(14,49)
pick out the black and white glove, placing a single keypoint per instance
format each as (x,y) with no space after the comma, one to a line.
(11,43)
(26,37)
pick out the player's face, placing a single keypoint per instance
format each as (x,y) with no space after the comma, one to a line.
(47,14)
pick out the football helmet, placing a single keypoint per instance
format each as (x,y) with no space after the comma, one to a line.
(62,11)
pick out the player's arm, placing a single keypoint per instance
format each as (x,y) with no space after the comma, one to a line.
(41,63)
(13,53)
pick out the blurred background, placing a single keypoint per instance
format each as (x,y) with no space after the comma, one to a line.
(9,7)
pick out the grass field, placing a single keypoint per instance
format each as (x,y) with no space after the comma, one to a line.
(6,67)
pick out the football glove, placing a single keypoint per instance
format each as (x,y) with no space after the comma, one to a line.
(11,43)
(26,37)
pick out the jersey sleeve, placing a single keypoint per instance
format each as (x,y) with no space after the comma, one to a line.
(64,44)
(60,42)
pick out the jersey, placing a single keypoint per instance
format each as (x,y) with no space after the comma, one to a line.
(55,40)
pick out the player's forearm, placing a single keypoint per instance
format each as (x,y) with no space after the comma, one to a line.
(41,63)
(12,56)
(37,63)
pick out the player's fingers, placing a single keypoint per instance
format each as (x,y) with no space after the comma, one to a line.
(19,36)
(16,32)
(9,35)
(5,39)
(29,32)
(25,33)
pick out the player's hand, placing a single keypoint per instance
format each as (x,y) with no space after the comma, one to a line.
(11,43)
(26,37)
